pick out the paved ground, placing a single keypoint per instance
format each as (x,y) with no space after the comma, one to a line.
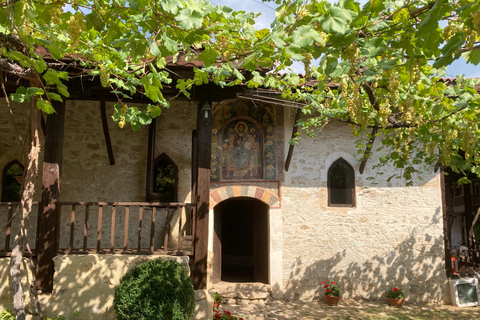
(349,310)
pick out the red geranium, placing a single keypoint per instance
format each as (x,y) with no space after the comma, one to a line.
(325,286)
(328,290)
(333,282)
(395,289)
(217,316)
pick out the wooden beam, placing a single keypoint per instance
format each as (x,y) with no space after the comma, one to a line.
(151,160)
(469,215)
(446,229)
(294,132)
(106,132)
(204,132)
(48,211)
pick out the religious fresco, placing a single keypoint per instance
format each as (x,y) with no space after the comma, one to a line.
(241,151)
(247,142)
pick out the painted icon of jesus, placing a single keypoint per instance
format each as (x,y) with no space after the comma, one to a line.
(242,152)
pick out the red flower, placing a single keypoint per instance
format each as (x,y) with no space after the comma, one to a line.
(326,286)
(323,282)
(227,312)
(231,317)
(240,318)
(217,316)
(333,282)
(328,290)
(395,289)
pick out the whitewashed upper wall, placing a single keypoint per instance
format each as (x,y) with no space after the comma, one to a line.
(393,237)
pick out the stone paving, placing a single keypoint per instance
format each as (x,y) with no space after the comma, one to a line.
(349,310)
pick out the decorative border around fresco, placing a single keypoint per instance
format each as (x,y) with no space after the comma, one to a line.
(270,118)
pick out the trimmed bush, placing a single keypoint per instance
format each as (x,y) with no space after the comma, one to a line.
(154,290)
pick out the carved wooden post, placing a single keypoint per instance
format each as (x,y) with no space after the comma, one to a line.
(48,212)
(204,131)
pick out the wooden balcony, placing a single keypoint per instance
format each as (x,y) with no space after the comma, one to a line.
(109,228)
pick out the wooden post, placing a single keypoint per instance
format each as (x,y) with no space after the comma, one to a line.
(204,132)
(446,227)
(467,194)
(151,160)
(48,212)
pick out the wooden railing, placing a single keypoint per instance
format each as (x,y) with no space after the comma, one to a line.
(9,226)
(114,227)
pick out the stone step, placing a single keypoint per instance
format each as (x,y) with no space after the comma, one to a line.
(234,293)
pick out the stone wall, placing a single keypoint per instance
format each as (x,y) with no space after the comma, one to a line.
(87,174)
(392,238)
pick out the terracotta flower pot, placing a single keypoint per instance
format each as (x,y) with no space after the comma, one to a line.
(216,304)
(396,302)
(332,301)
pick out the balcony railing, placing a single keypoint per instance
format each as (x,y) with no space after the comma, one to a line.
(110,227)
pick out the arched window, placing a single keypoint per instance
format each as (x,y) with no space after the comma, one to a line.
(341,184)
(165,179)
(12,181)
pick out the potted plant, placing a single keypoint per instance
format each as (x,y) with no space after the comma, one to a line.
(217,300)
(395,298)
(226,315)
(333,293)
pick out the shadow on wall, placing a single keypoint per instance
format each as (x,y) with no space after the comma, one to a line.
(83,283)
(415,265)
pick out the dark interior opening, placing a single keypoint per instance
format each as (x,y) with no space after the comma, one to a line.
(241,241)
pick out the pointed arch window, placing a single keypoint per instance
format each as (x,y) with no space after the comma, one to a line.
(341,184)
(165,182)
(12,181)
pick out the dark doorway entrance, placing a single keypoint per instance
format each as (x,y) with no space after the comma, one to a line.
(240,243)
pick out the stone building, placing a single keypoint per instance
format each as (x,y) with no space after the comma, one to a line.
(288,217)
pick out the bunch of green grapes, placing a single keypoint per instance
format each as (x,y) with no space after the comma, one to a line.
(344,88)
(56,14)
(306,64)
(351,53)
(476,20)
(415,70)
(451,29)
(470,37)
(384,112)
(122,122)
(393,87)
(468,142)
(104,76)
(77,25)
(351,108)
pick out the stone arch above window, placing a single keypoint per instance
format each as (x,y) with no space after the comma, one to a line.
(12,181)
(341,184)
(165,179)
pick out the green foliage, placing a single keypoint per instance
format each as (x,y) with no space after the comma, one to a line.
(332,289)
(157,289)
(388,57)
(12,186)
(6,315)
(395,293)
(217,297)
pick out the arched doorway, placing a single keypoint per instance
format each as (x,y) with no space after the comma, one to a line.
(240,241)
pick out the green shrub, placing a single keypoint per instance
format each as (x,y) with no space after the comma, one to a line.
(6,315)
(154,290)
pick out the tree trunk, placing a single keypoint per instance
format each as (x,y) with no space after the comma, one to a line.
(25,208)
